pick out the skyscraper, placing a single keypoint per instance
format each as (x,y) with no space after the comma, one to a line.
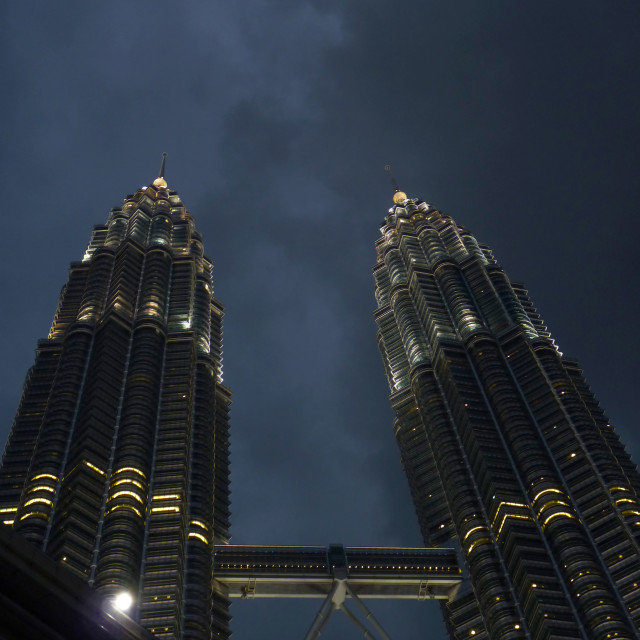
(505,447)
(117,462)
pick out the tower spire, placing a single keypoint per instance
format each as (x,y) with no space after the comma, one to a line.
(398,196)
(160,181)
(164,159)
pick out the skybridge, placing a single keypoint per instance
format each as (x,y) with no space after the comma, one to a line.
(334,574)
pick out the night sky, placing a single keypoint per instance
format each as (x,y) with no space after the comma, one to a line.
(519,119)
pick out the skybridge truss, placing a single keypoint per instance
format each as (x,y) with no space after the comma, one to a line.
(335,574)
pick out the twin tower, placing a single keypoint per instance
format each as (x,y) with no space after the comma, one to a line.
(117,465)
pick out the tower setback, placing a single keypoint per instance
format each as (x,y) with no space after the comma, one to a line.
(505,447)
(117,462)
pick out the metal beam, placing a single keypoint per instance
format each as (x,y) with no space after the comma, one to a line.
(323,615)
(357,623)
(369,616)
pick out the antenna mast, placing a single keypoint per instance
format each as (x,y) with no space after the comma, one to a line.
(398,196)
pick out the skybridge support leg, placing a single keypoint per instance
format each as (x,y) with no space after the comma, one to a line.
(323,615)
(369,616)
(357,622)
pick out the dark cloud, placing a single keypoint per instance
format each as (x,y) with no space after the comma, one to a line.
(519,120)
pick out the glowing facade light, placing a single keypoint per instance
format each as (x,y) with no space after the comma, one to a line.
(42,487)
(131,494)
(123,601)
(44,475)
(93,466)
(165,509)
(38,500)
(123,469)
(198,536)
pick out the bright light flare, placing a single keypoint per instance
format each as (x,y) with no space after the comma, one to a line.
(123,601)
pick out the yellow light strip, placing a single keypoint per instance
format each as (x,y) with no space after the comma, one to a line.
(556,515)
(168,496)
(552,503)
(130,469)
(159,509)
(517,516)
(476,543)
(547,491)
(42,487)
(36,514)
(631,512)
(128,481)
(9,522)
(199,536)
(124,506)
(510,504)
(39,500)
(135,496)
(199,523)
(66,475)
(44,475)
(92,466)
(480,528)
(8,510)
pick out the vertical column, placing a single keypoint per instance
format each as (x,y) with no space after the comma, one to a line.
(201,491)
(47,463)
(123,530)
(166,530)
(24,434)
(80,499)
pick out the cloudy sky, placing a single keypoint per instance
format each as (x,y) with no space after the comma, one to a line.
(519,119)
